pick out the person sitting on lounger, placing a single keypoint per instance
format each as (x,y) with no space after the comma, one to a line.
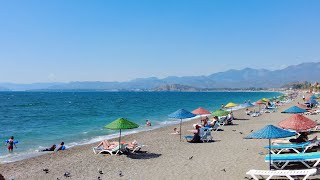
(303,137)
(230,118)
(108,145)
(248,112)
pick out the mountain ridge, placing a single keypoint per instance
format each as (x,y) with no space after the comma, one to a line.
(244,78)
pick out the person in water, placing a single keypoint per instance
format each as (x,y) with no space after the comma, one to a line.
(52,148)
(10,144)
(60,147)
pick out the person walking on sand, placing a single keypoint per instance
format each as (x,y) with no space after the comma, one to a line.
(10,144)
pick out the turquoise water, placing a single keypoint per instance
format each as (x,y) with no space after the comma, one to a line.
(40,119)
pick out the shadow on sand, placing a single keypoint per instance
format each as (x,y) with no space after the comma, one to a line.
(143,155)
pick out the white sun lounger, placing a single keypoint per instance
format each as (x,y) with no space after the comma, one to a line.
(116,150)
(284,173)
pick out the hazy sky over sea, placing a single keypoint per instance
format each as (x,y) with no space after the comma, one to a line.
(101,40)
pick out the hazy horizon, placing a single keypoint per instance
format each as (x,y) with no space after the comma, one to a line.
(64,41)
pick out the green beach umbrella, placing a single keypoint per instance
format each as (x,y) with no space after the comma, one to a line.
(220,112)
(121,123)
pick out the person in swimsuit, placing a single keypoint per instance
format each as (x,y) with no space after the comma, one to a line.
(10,144)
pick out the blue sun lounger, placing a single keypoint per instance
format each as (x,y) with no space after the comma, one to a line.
(298,147)
(280,161)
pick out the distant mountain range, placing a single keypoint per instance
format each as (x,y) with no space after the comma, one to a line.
(245,78)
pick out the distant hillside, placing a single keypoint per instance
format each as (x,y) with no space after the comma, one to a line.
(245,78)
(175,87)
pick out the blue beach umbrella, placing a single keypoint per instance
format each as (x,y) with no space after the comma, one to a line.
(270,132)
(247,104)
(312,101)
(181,114)
(294,110)
(313,97)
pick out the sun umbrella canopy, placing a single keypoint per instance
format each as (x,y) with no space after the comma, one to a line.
(270,132)
(200,111)
(181,114)
(260,102)
(247,104)
(313,97)
(294,109)
(220,112)
(312,101)
(230,104)
(265,100)
(122,123)
(297,122)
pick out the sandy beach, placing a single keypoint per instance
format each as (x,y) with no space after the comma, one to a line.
(230,156)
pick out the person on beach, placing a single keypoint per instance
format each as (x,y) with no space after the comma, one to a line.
(222,106)
(204,122)
(108,145)
(52,148)
(175,131)
(196,137)
(10,144)
(248,112)
(303,98)
(60,147)
(148,123)
(303,137)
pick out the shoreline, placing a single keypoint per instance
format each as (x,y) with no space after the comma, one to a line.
(163,157)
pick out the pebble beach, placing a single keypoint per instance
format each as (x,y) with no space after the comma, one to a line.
(229,156)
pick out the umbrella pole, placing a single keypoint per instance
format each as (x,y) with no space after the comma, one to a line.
(269,154)
(120,139)
(180,129)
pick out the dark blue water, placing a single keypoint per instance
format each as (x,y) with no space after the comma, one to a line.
(39,119)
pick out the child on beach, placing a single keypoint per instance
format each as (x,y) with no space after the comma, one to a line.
(175,131)
(10,144)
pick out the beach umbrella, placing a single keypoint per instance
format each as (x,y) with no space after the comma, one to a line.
(260,102)
(181,114)
(265,100)
(313,97)
(121,123)
(294,109)
(230,105)
(247,104)
(220,112)
(297,122)
(270,132)
(312,101)
(200,111)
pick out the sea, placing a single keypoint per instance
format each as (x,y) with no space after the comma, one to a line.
(39,119)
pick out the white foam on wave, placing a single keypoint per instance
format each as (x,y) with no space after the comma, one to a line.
(12,157)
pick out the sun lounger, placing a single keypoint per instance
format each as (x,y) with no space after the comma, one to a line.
(287,173)
(298,148)
(114,151)
(135,148)
(280,161)
(205,134)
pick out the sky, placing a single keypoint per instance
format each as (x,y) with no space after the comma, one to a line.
(112,40)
